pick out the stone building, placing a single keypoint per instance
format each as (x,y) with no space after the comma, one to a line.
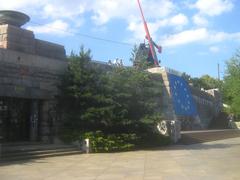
(29,75)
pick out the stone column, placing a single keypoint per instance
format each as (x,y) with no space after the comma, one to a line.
(48,121)
(45,128)
(34,118)
(53,121)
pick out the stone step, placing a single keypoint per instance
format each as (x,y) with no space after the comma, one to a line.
(33,151)
(36,156)
(35,147)
(22,143)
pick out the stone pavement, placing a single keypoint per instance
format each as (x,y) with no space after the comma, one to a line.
(208,161)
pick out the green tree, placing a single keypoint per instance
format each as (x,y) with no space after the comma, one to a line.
(115,100)
(136,97)
(205,82)
(232,84)
(82,101)
(211,83)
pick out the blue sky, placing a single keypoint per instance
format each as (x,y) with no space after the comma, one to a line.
(195,35)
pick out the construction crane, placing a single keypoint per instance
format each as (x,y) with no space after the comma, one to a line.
(152,45)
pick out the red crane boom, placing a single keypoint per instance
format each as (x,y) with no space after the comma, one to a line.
(150,41)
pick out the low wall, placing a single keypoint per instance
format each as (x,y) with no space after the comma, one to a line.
(208,104)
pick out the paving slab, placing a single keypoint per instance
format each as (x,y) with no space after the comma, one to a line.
(218,160)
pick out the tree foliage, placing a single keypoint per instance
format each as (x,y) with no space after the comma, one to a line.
(117,100)
(136,96)
(82,99)
(232,84)
(205,82)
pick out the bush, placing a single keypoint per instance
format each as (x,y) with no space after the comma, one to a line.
(100,142)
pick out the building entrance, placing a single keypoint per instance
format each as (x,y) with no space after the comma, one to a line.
(15,119)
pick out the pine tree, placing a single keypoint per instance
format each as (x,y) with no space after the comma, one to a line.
(82,101)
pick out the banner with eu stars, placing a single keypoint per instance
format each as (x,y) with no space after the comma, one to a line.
(183,102)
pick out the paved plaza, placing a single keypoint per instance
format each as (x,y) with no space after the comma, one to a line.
(212,160)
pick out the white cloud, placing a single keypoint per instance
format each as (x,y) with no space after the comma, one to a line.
(200,35)
(177,21)
(213,7)
(185,37)
(209,8)
(200,20)
(57,27)
(157,8)
(67,11)
(223,36)
(137,28)
(18,5)
(214,49)
(105,10)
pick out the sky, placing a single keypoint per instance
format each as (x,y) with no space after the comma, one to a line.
(196,35)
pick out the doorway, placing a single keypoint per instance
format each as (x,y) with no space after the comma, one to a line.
(15,119)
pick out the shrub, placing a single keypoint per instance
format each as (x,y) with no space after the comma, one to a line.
(100,142)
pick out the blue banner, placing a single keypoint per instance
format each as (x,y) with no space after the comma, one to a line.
(183,102)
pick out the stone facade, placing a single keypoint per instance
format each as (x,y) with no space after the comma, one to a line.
(29,76)
(30,69)
(18,39)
